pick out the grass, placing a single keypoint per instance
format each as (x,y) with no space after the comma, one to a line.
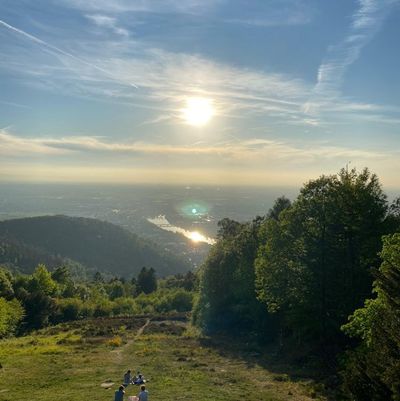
(69,363)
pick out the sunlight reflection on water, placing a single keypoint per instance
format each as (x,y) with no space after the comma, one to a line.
(162,222)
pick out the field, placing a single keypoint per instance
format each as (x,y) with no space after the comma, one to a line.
(77,361)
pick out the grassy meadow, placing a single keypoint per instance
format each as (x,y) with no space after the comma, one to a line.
(70,362)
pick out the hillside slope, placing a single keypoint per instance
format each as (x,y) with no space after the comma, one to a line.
(96,244)
(93,359)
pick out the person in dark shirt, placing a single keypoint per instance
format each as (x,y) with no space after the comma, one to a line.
(119,394)
(127,378)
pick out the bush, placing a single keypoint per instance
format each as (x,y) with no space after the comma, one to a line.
(11,313)
(87,309)
(103,308)
(125,306)
(70,309)
(115,341)
(181,301)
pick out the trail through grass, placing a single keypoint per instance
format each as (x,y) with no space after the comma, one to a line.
(70,362)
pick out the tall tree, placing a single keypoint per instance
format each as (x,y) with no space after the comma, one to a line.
(227,298)
(280,204)
(36,295)
(315,264)
(146,280)
(372,369)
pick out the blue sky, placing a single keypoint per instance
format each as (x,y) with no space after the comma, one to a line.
(96,90)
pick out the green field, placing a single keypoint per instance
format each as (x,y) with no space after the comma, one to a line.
(71,362)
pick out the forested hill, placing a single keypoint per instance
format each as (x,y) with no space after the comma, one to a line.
(95,244)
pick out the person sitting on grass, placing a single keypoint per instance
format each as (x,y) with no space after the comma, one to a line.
(143,395)
(139,379)
(119,394)
(127,378)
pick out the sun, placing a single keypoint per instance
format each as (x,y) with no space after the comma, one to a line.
(198,111)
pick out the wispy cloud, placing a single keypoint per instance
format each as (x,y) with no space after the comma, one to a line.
(54,49)
(270,13)
(13,104)
(110,23)
(262,14)
(365,23)
(11,145)
(163,76)
(160,6)
(250,150)
(254,161)
(113,70)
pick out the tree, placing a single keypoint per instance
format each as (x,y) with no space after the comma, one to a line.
(227,300)
(98,278)
(42,282)
(146,280)
(61,275)
(314,266)
(372,370)
(393,217)
(37,298)
(116,289)
(11,313)
(6,288)
(279,206)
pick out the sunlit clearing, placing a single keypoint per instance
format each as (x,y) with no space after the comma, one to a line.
(198,111)
(197,237)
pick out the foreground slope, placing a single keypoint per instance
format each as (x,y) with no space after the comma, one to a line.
(95,244)
(77,362)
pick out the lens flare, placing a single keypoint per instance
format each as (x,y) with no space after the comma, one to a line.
(192,209)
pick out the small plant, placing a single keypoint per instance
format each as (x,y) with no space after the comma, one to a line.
(114,342)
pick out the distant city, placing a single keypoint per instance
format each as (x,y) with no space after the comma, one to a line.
(181,219)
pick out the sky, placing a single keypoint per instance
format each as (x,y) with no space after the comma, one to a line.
(219,92)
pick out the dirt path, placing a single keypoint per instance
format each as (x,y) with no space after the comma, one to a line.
(140,331)
(119,351)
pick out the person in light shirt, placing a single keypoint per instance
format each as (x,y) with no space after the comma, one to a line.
(139,379)
(143,395)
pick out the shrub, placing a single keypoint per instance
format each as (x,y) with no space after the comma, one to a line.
(11,313)
(114,342)
(103,308)
(70,309)
(125,306)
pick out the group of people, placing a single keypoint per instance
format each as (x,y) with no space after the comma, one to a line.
(138,380)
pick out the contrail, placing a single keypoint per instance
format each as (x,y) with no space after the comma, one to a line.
(58,50)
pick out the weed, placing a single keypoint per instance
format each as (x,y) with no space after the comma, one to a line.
(114,342)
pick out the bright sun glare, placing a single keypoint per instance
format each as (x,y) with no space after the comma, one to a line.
(198,111)
(196,237)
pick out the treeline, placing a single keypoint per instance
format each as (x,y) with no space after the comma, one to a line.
(33,301)
(296,275)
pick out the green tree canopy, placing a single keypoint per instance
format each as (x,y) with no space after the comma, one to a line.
(146,280)
(11,313)
(227,297)
(315,264)
(372,370)
(6,288)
